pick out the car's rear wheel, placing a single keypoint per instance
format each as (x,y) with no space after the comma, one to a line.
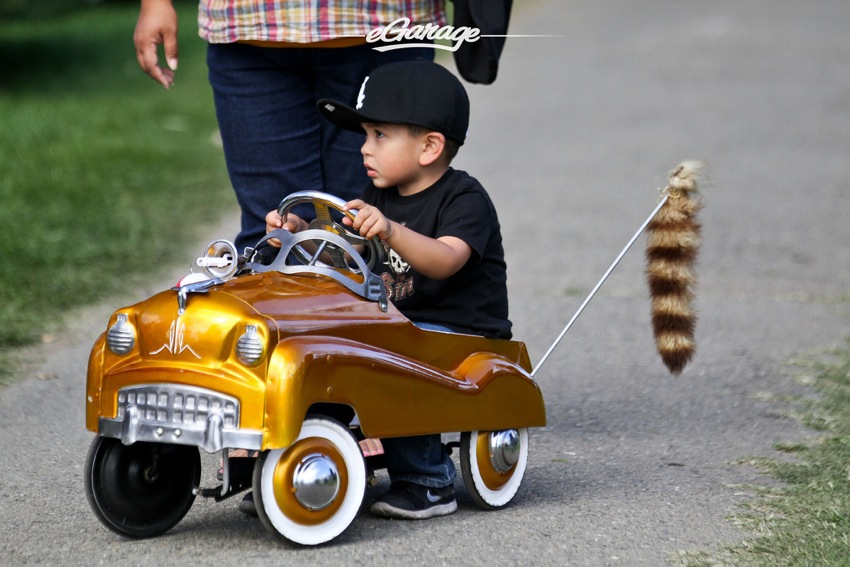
(311,491)
(493,465)
(141,490)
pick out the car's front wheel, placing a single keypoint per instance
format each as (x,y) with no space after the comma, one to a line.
(141,490)
(311,491)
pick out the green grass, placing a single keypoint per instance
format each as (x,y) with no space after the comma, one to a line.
(104,175)
(805,520)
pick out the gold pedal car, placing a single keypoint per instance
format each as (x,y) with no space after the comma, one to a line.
(298,359)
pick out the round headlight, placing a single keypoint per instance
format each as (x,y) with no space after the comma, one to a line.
(121,337)
(249,347)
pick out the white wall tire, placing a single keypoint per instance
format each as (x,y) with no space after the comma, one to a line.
(335,503)
(491,485)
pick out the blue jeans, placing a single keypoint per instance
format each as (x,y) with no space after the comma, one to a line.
(422,459)
(432,327)
(275,141)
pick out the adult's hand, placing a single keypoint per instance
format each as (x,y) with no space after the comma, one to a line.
(157,25)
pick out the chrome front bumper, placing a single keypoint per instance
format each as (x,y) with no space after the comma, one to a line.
(181,415)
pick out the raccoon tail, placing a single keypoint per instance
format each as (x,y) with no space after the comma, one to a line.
(673,240)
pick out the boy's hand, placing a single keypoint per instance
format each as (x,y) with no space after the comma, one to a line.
(293,224)
(369,221)
(435,258)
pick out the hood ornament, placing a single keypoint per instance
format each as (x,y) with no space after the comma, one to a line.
(183,292)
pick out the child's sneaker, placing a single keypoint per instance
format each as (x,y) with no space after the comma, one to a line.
(411,501)
(247,505)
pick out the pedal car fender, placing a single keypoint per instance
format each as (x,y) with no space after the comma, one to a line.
(394,395)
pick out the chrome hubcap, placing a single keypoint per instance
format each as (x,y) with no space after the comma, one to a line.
(315,482)
(504,449)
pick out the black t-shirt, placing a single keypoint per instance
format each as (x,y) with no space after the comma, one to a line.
(475,299)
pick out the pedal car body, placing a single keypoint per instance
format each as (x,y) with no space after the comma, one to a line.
(298,360)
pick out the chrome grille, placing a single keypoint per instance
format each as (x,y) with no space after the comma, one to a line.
(174,405)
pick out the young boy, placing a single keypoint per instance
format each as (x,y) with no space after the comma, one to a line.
(446,268)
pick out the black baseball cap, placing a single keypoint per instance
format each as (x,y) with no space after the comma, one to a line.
(421,93)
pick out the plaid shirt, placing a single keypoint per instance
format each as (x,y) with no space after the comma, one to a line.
(307,21)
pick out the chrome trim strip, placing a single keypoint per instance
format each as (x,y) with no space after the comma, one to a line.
(130,431)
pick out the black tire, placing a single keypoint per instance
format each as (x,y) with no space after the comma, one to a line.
(141,490)
(490,486)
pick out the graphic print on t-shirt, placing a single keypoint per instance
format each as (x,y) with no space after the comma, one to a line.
(398,282)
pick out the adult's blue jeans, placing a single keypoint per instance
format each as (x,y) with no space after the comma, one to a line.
(275,141)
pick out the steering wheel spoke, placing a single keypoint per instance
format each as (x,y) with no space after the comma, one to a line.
(337,256)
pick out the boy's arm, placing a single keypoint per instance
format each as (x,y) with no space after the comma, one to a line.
(436,258)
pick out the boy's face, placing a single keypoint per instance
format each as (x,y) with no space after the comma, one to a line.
(391,155)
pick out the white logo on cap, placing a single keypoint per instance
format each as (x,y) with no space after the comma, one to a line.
(361,96)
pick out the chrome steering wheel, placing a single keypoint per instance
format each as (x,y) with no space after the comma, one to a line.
(324,205)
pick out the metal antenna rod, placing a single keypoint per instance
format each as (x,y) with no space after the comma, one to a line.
(601,281)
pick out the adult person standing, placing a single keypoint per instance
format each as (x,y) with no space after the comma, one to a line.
(269,63)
